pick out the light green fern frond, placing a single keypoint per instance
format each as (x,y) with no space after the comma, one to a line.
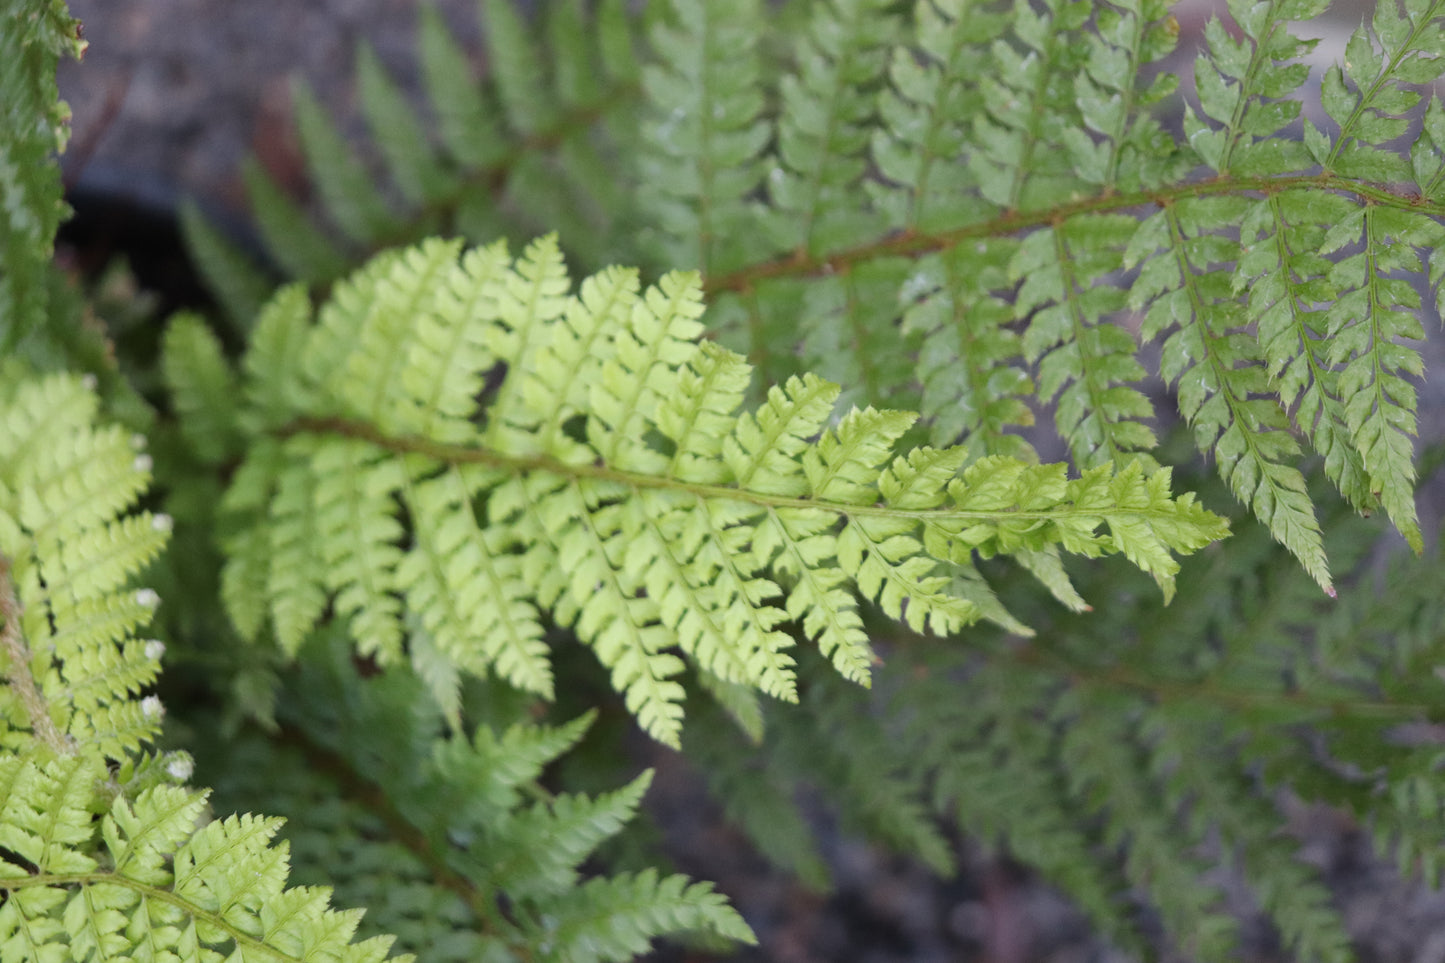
(70,609)
(102,855)
(612,482)
(146,880)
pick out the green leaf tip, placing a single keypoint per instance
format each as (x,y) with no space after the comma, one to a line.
(615,479)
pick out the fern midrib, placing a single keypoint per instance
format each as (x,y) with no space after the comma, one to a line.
(912,243)
(521,464)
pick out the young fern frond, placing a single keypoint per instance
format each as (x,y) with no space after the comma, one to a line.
(608,478)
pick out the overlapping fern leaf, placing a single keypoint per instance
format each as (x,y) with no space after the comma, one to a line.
(975,211)
(532,146)
(461,445)
(103,855)
(1028,207)
(454,844)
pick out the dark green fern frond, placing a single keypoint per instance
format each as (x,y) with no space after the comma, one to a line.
(34,126)
(1276,274)
(533,146)
(453,843)
(608,479)
(704,141)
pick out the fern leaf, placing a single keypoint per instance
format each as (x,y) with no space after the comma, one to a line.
(294,580)
(230,274)
(35,128)
(464,589)
(823,125)
(1365,326)
(411,161)
(1219,375)
(771,514)
(470,826)
(613,919)
(1408,53)
(705,134)
(521,85)
(300,249)
(917,133)
(202,384)
(1285,274)
(1085,361)
(70,609)
(464,118)
(358,534)
(1020,161)
(272,363)
(343,186)
(575,825)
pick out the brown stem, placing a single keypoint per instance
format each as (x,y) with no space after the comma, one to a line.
(12,643)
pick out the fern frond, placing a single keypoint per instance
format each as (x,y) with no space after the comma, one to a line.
(436,836)
(70,612)
(706,134)
(611,473)
(101,855)
(531,147)
(153,883)
(823,125)
(33,127)
(203,386)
